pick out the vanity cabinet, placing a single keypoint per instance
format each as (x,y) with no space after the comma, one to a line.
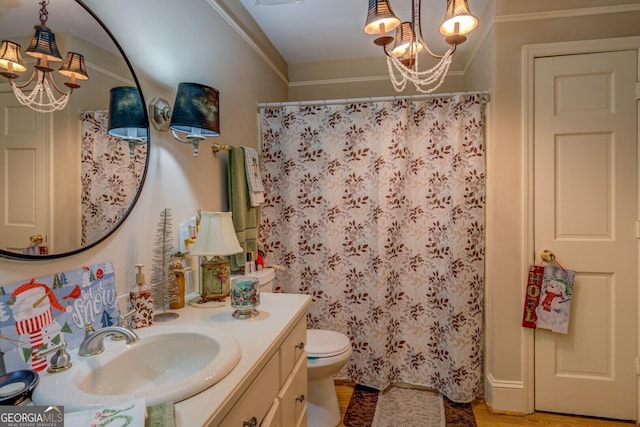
(292,396)
(253,405)
(276,397)
(293,378)
(268,386)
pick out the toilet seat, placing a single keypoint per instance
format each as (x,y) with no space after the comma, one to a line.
(324,343)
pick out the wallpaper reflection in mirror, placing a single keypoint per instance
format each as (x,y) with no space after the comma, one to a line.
(110,178)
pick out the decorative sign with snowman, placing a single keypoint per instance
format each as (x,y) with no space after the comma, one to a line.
(42,312)
(547,304)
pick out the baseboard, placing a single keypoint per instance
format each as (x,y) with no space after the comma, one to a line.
(505,397)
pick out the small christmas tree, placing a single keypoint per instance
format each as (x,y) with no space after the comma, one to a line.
(57,282)
(162,253)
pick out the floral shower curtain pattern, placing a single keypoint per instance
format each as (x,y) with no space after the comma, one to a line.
(110,179)
(377,211)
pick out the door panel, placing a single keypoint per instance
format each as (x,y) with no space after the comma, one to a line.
(585,211)
(24,181)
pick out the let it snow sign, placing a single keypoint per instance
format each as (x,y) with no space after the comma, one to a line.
(39,313)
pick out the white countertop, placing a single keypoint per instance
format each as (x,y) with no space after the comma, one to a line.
(258,337)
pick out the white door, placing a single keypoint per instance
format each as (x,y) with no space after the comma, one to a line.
(24,177)
(585,212)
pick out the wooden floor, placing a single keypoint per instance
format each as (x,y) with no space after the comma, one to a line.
(485,419)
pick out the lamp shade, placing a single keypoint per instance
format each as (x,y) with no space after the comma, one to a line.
(458,19)
(380,13)
(126,113)
(43,45)
(216,235)
(73,66)
(196,110)
(405,41)
(10,57)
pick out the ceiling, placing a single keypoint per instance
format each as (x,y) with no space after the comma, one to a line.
(301,30)
(324,30)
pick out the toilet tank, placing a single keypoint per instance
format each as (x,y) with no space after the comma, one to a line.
(266,276)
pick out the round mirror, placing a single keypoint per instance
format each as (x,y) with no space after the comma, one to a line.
(65,183)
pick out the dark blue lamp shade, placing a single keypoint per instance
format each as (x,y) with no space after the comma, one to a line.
(196,107)
(196,110)
(127,118)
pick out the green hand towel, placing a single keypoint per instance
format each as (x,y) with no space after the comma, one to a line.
(245,217)
(161,415)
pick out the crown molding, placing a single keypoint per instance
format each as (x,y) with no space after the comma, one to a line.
(517,17)
(246,37)
(353,80)
(567,13)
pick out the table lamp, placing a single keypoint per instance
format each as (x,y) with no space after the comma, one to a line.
(216,237)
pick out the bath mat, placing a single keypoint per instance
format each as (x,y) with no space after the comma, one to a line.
(399,406)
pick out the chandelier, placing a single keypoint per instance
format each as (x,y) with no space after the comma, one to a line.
(41,97)
(402,57)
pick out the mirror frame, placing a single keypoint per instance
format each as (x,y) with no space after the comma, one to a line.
(27,257)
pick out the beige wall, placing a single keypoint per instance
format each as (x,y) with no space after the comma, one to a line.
(368,77)
(355,79)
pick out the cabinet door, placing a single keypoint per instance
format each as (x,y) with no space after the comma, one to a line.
(272,419)
(293,395)
(254,404)
(302,422)
(292,349)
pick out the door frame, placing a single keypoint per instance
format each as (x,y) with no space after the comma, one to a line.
(529,54)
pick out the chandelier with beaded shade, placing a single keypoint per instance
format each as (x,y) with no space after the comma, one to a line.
(402,51)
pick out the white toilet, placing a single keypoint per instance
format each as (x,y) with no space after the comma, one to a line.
(327,353)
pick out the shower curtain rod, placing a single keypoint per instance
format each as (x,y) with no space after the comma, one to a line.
(370,99)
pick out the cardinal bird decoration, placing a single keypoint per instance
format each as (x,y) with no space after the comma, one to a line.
(75,293)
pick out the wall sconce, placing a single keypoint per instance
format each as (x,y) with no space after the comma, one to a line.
(127,120)
(43,47)
(216,237)
(195,114)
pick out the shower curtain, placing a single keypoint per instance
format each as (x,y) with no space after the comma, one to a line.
(110,179)
(377,211)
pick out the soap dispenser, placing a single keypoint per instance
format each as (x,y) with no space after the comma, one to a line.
(141,301)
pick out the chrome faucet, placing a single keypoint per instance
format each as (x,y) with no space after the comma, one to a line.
(60,361)
(93,342)
(124,321)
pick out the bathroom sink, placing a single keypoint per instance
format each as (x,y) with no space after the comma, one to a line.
(170,363)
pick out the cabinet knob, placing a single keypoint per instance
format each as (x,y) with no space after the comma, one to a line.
(300,345)
(300,398)
(253,422)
